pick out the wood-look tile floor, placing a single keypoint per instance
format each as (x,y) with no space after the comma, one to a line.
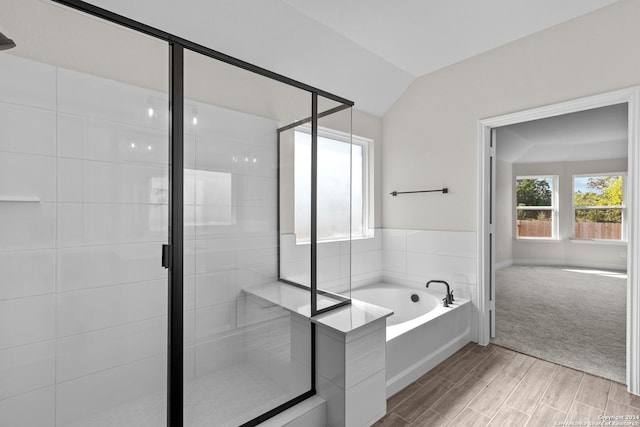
(494,386)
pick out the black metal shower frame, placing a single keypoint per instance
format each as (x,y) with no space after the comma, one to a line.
(172,254)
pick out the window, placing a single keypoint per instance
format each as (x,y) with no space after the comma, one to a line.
(598,207)
(343,186)
(536,207)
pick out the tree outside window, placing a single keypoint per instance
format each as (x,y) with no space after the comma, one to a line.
(535,207)
(598,203)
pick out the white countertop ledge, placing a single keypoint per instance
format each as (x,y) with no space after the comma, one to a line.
(352,317)
(344,320)
(290,297)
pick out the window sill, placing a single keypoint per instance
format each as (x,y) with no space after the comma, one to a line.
(337,240)
(537,239)
(599,242)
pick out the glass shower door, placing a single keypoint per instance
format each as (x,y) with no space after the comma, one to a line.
(83,214)
(243,355)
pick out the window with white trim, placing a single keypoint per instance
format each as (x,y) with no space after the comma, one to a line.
(536,207)
(343,185)
(598,207)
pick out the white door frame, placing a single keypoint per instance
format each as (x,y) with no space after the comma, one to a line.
(486,302)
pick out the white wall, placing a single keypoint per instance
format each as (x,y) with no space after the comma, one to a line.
(563,251)
(431,132)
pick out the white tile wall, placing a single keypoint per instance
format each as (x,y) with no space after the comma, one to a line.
(91,352)
(27,226)
(26,368)
(28,175)
(27,82)
(18,133)
(26,320)
(91,309)
(95,266)
(19,410)
(88,395)
(27,273)
(416,256)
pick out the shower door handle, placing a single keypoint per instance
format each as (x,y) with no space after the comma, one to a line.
(166,256)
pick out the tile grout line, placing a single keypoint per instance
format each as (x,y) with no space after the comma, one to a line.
(508,397)
(573,401)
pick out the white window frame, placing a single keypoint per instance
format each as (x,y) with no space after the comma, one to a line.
(623,234)
(366,144)
(553,208)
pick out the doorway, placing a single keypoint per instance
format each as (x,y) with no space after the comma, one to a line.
(487,245)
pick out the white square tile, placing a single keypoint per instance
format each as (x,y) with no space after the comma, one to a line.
(335,397)
(214,320)
(19,411)
(220,353)
(71,180)
(92,224)
(394,261)
(95,351)
(27,226)
(71,132)
(210,256)
(249,257)
(79,399)
(28,175)
(394,239)
(26,368)
(330,359)
(27,130)
(366,262)
(89,267)
(26,320)
(27,82)
(365,356)
(216,288)
(27,273)
(368,244)
(91,309)
(366,402)
(259,274)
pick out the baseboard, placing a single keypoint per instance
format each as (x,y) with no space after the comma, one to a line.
(503,264)
(564,263)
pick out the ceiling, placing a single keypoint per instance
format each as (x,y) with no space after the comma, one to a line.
(596,134)
(368,51)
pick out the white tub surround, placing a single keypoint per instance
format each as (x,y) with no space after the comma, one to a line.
(350,363)
(350,351)
(422,333)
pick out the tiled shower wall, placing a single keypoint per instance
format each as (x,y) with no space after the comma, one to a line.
(83,298)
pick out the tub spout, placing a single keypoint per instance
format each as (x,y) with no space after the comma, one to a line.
(448,299)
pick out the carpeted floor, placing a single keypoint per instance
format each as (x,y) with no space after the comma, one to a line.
(571,316)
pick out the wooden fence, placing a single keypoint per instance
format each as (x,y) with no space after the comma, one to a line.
(583,230)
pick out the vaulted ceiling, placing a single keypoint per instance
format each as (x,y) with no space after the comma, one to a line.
(366,50)
(596,134)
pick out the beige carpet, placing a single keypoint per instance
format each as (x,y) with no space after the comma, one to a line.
(568,315)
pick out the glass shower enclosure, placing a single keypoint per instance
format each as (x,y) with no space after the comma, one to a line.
(152,192)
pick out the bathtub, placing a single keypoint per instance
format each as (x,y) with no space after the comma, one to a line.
(420,334)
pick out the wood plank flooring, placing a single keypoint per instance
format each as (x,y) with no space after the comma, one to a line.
(493,386)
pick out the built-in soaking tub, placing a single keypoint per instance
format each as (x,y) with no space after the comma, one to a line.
(421,333)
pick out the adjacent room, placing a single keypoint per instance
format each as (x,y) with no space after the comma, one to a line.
(561,239)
